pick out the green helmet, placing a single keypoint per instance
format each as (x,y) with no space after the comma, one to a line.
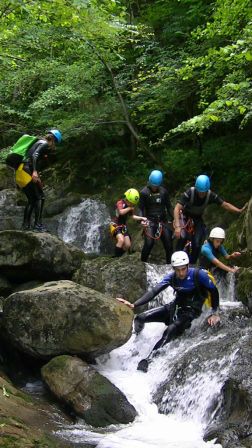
(132,196)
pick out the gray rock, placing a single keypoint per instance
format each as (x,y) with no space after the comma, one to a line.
(123,277)
(64,317)
(28,256)
(91,396)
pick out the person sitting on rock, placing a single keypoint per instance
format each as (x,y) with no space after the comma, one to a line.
(124,207)
(213,249)
(191,286)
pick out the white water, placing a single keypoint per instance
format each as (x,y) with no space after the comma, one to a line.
(189,406)
(81,225)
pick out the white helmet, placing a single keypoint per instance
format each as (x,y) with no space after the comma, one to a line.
(179,258)
(217,232)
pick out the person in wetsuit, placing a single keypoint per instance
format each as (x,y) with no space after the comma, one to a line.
(192,204)
(191,286)
(124,208)
(33,190)
(213,249)
(155,205)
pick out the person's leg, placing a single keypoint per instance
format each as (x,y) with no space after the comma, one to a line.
(160,314)
(127,242)
(166,238)
(197,240)
(181,323)
(29,191)
(148,242)
(119,251)
(39,204)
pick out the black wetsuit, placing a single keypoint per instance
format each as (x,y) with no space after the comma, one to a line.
(191,293)
(194,207)
(157,208)
(33,190)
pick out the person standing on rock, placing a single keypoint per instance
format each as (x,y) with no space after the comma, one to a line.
(33,188)
(155,204)
(124,208)
(213,249)
(188,215)
(191,286)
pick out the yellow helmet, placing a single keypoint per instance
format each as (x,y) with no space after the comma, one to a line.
(132,196)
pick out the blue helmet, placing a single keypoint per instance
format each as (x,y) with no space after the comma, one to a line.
(202,183)
(155,178)
(57,135)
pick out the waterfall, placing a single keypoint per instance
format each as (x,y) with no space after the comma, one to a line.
(179,395)
(85,225)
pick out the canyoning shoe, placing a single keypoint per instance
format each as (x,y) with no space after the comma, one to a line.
(39,228)
(138,325)
(143,365)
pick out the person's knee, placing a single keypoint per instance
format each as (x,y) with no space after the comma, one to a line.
(120,240)
(139,322)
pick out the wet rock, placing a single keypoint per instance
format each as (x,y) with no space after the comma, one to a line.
(6,177)
(58,205)
(11,213)
(28,256)
(63,317)
(123,277)
(91,396)
(244,287)
(5,287)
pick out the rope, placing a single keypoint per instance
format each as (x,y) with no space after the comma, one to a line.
(159,232)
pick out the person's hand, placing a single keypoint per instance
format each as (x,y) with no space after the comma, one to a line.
(125,302)
(234,269)
(35,176)
(177,231)
(213,320)
(235,254)
(244,207)
(144,222)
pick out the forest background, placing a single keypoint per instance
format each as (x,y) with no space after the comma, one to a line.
(133,85)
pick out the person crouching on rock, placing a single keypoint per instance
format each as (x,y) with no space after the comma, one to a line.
(191,286)
(124,208)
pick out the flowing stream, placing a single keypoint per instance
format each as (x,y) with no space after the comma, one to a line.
(186,408)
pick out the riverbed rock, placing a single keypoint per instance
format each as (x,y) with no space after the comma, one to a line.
(63,317)
(28,256)
(122,277)
(89,394)
(5,287)
(244,287)
(6,177)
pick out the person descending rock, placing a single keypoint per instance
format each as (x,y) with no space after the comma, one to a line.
(155,204)
(190,229)
(191,286)
(118,228)
(213,249)
(28,179)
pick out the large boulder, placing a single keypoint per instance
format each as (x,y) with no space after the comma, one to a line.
(89,394)
(27,256)
(11,213)
(65,318)
(7,179)
(124,276)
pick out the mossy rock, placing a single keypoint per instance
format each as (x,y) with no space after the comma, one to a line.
(244,287)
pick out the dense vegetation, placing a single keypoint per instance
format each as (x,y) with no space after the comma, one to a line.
(132,85)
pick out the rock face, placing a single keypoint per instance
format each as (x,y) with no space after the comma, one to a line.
(88,393)
(27,256)
(65,318)
(124,277)
(209,356)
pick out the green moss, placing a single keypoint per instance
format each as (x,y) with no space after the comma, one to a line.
(244,285)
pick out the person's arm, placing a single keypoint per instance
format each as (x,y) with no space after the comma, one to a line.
(140,218)
(223,266)
(149,295)
(177,228)
(40,151)
(233,255)
(232,208)
(124,211)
